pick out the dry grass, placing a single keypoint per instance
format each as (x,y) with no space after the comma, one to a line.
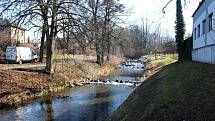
(71,56)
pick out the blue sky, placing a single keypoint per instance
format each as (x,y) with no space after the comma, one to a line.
(152,9)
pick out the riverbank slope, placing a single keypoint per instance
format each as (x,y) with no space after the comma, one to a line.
(179,91)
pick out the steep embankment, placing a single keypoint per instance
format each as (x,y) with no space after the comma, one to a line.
(179,91)
(18,87)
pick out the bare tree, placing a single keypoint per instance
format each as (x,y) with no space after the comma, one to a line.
(143,39)
(45,14)
(104,19)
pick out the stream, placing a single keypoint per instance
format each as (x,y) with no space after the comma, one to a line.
(92,102)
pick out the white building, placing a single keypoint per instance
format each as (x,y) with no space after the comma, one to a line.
(204,32)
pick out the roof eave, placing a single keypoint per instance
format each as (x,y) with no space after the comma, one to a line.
(200,4)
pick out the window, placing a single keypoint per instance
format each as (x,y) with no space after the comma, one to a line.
(198,35)
(210,22)
(203,27)
(22,33)
(194,34)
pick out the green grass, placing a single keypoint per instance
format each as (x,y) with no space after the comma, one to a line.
(180,91)
(162,60)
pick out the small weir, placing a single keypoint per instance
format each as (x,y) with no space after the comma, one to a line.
(126,74)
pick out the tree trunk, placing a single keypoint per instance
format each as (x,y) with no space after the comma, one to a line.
(96,30)
(49,58)
(98,57)
(108,29)
(42,45)
(102,58)
(180,51)
(51,40)
(108,55)
(108,48)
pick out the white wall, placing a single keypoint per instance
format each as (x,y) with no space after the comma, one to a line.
(204,46)
(209,37)
(206,55)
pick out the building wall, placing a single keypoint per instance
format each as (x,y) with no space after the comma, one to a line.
(206,55)
(208,38)
(5,38)
(17,35)
(204,45)
(10,36)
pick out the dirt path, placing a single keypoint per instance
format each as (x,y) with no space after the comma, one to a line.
(5,66)
(24,66)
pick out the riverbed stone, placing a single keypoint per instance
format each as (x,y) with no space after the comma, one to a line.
(17,99)
(78,84)
(72,85)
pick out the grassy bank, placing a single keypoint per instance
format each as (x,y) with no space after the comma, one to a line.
(155,64)
(179,91)
(162,59)
(18,87)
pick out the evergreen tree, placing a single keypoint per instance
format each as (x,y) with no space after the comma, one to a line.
(179,29)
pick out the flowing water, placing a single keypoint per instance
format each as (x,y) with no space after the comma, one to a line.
(92,102)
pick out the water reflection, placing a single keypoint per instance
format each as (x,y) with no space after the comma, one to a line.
(86,103)
(94,103)
(46,106)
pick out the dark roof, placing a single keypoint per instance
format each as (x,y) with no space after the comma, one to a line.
(200,4)
(5,22)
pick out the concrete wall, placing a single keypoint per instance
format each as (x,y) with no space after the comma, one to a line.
(206,55)
(204,46)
